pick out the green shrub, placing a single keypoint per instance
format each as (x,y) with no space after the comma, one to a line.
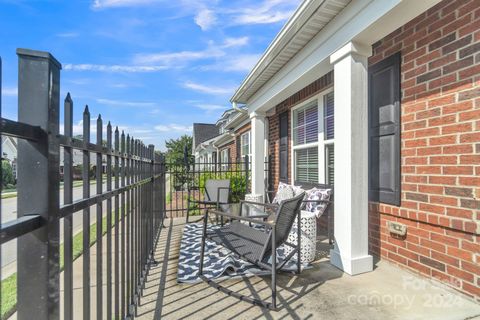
(238,182)
(7,173)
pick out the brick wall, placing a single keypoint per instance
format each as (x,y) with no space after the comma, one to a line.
(233,150)
(309,91)
(440,147)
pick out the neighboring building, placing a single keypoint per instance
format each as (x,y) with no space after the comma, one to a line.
(382,100)
(9,152)
(234,142)
(203,149)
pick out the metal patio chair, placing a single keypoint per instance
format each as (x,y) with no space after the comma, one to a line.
(216,192)
(256,246)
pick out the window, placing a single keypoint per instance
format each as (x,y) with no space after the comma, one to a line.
(328,116)
(225,158)
(305,125)
(245,144)
(313,141)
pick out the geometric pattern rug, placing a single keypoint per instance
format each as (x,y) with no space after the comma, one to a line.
(219,262)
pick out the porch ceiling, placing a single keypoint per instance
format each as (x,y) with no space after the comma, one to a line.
(311,17)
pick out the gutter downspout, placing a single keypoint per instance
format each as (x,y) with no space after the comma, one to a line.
(236,108)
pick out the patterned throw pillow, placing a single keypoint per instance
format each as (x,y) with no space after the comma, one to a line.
(284,192)
(317,194)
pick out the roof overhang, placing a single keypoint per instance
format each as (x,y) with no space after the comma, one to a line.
(362,21)
(309,18)
(223,139)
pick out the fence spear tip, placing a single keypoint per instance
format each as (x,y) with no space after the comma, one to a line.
(68,97)
(109,125)
(99,117)
(86,109)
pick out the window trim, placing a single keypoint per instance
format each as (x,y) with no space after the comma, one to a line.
(249,144)
(321,142)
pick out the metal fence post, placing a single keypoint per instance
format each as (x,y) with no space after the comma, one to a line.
(38,252)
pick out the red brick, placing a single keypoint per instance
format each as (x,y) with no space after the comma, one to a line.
(458,170)
(447,180)
(457,107)
(442,41)
(440,82)
(469,181)
(457,128)
(447,201)
(459,253)
(443,100)
(457,65)
(445,258)
(469,115)
(460,213)
(433,245)
(467,276)
(458,148)
(472,289)
(432,208)
(470,159)
(443,140)
(428,170)
(470,137)
(443,160)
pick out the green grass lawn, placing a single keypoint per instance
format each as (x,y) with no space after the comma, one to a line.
(9,285)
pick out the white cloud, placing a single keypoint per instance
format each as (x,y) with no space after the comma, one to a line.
(122,103)
(234,63)
(10,91)
(208,89)
(173,128)
(205,19)
(113,68)
(269,11)
(176,58)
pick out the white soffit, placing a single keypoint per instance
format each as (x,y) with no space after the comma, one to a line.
(311,17)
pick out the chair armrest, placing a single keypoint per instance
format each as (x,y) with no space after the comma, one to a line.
(235,217)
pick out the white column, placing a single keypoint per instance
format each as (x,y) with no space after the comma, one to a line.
(258,154)
(350,253)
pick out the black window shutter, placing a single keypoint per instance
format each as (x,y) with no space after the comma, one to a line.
(283,150)
(384,130)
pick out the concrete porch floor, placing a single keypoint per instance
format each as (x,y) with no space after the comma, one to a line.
(322,292)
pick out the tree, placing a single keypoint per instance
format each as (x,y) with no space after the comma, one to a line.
(176,147)
(7,173)
(175,156)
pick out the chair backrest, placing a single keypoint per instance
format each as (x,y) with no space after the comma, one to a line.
(284,219)
(212,192)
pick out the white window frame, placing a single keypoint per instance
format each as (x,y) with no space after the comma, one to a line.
(223,156)
(249,154)
(321,142)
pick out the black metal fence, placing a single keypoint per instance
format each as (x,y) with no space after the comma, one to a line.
(132,194)
(188,178)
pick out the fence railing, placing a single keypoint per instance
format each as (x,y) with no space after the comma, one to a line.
(133,196)
(187,179)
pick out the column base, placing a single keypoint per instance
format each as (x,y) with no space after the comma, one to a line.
(351,266)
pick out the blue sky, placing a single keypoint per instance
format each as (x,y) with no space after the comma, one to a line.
(152,67)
